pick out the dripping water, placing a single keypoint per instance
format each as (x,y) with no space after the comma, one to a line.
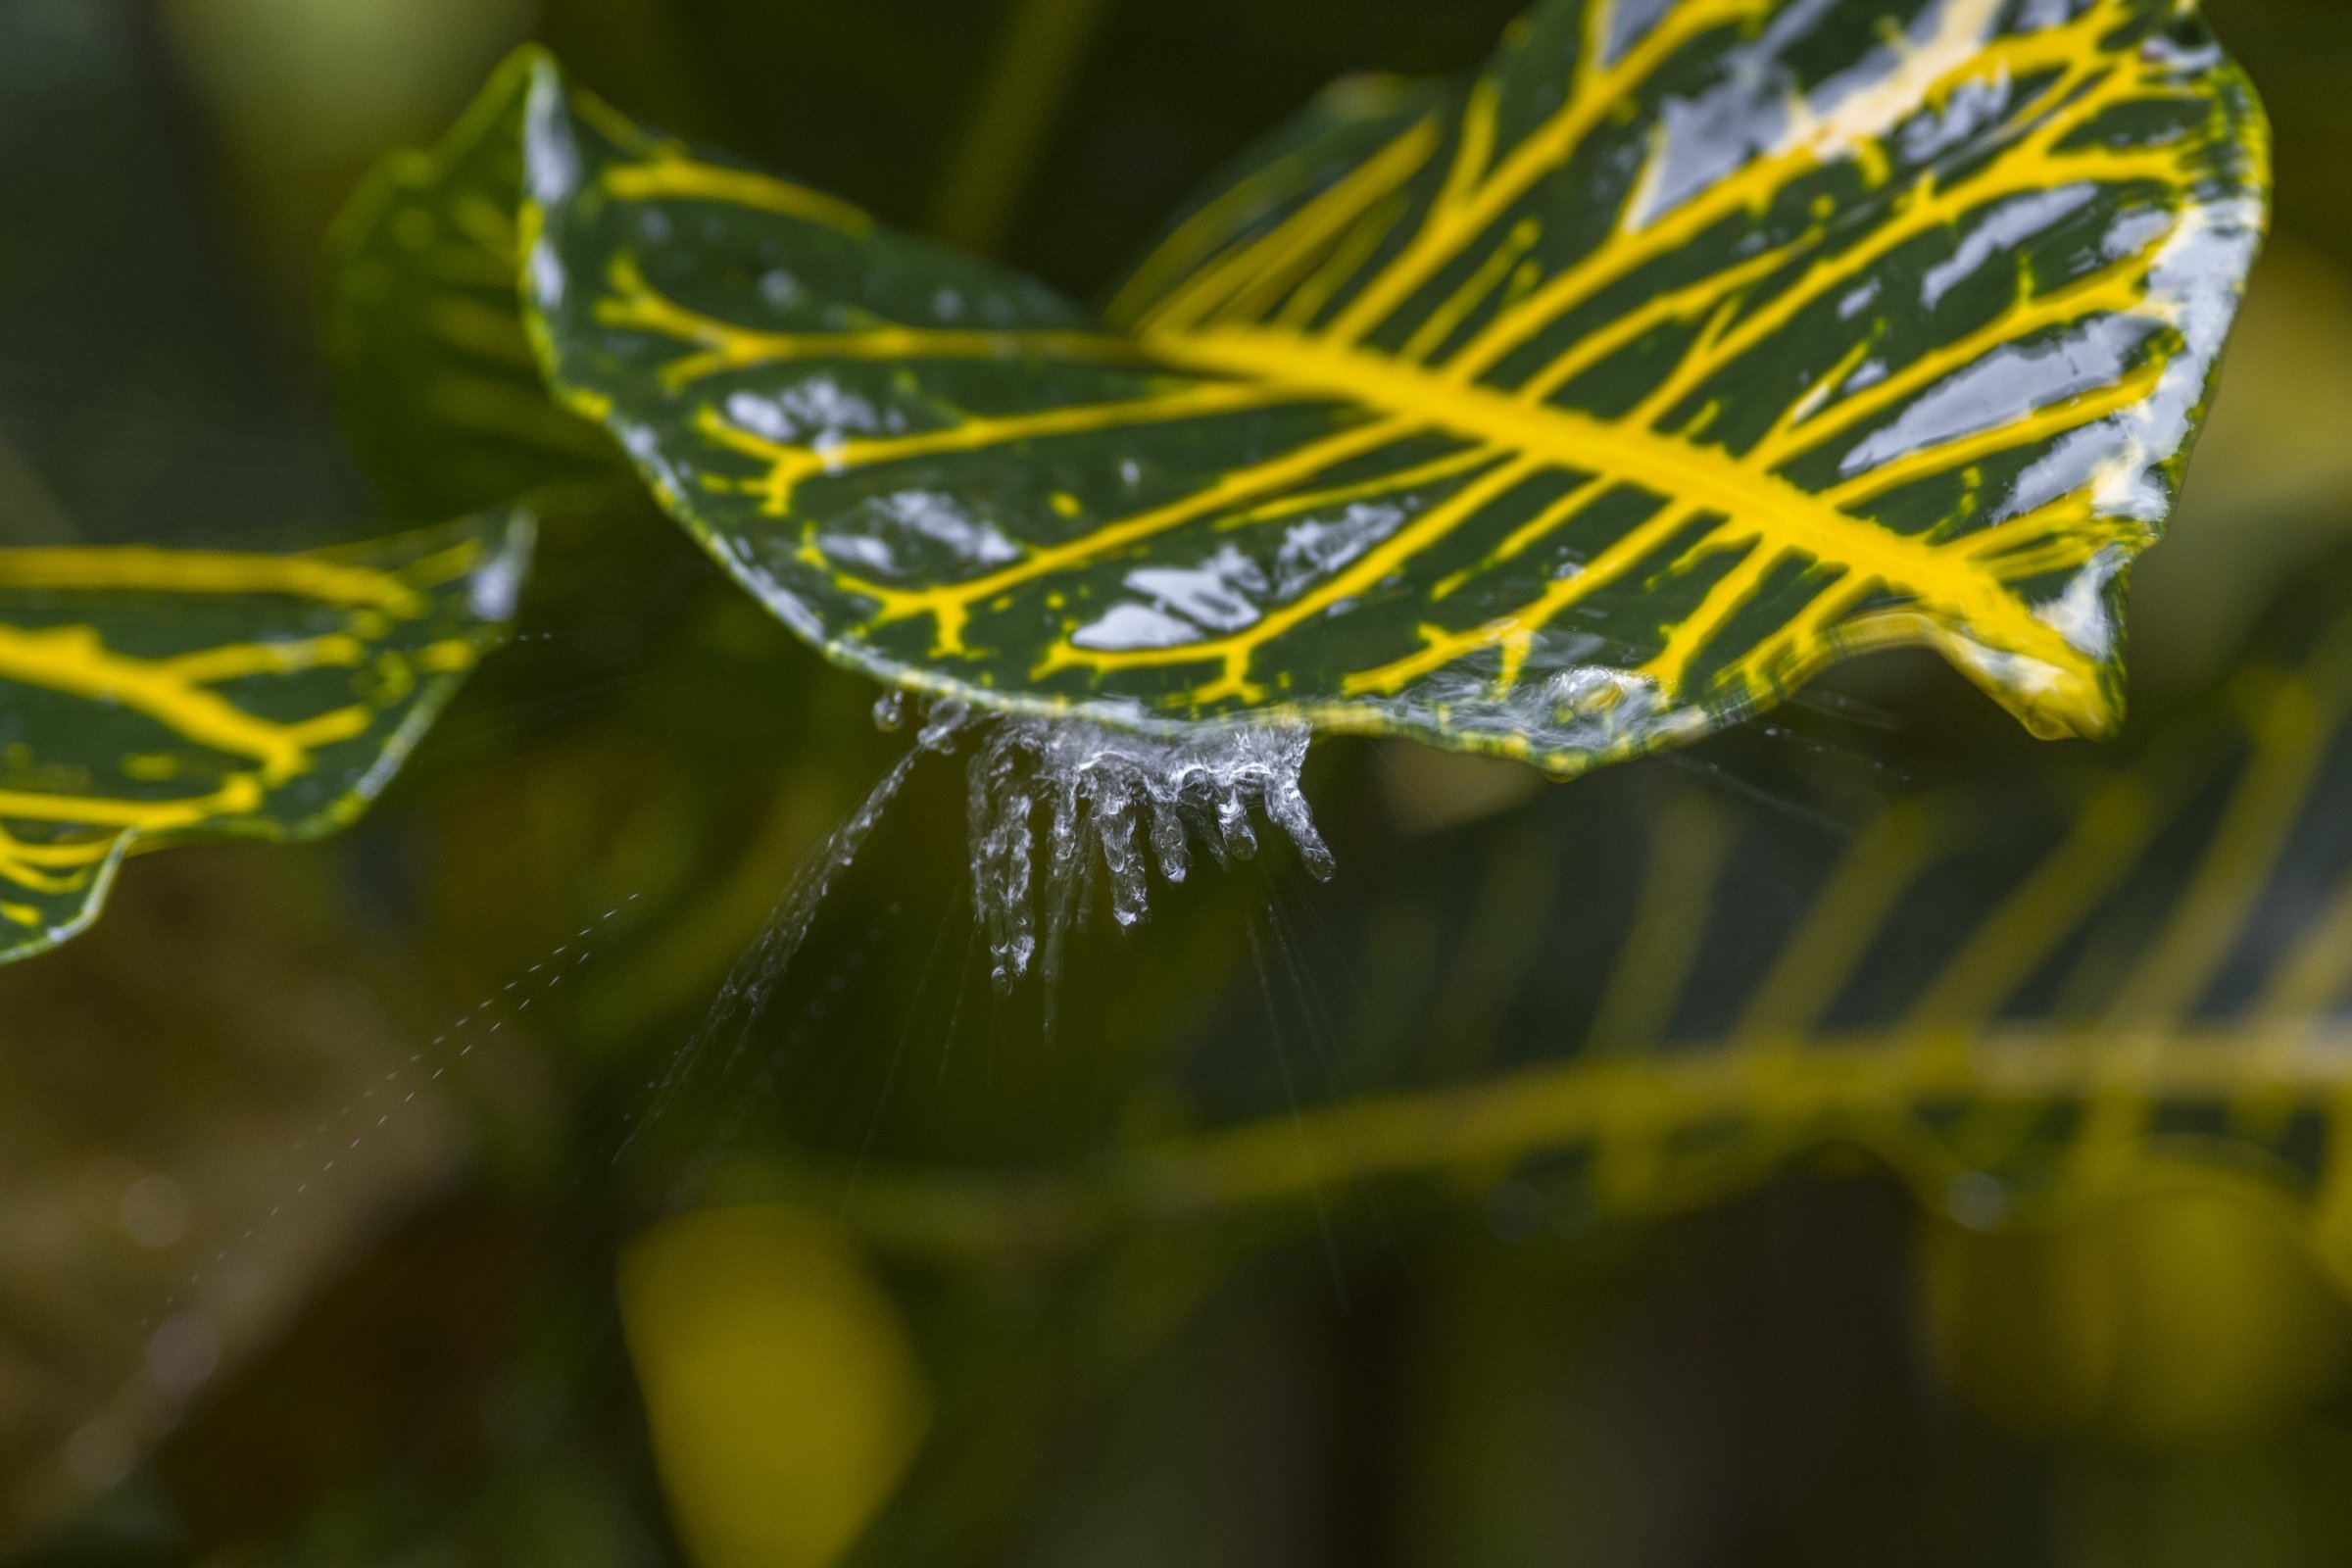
(1057,808)
(1105,794)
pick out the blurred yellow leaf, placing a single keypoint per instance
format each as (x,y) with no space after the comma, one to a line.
(783,1393)
(2190,1310)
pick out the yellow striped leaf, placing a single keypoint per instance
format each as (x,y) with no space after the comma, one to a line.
(1575,409)
(150,696)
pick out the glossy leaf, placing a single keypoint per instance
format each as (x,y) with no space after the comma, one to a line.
(1559,414)
(440,389)
(150,696)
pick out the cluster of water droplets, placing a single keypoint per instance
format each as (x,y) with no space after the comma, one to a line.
(1059,807)
(1062,809)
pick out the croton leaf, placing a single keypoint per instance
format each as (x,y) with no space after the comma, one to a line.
(1561,413)
(149,696)
(440,389)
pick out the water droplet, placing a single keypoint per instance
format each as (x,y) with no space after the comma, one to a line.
(1095,787)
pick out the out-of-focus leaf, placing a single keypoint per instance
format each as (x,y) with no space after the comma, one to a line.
(2188,1312)
(2018,995)
(2025,996)
(1560,414)
(149,696)
(441,392)
(143,393)
(301,99)
(157,1240)
(784,1397)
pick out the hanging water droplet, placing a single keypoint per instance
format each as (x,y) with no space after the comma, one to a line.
(1098,786)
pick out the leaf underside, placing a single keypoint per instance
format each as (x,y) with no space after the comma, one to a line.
(152,696)
(1560,414)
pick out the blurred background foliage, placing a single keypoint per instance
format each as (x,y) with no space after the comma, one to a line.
(403,1201)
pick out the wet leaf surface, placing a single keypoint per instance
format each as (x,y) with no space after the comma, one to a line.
(1561,413)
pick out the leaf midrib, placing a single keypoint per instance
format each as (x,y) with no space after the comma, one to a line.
(1949,585)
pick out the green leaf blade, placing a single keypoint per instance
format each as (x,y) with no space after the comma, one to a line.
(153,696)
(1574,410)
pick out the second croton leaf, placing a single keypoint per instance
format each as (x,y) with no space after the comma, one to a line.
(153,696)
(1562,413)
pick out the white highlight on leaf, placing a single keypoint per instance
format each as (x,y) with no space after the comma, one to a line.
(1220,593)
(1320,546)
(917,532)
(1973,105)
(551,159)
(2135,231)
(1181,604)
(2040,16)
(780,289)
(2079,612)
(1858,299)
(1757,110)
(785,605)
(1864,103)
(2194,287)
(2003,388)
(1630,21)
(1228,592)
(805,412)
(497,584)
(1131,625)
(2003,228)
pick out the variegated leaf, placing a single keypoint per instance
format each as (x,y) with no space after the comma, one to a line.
(1582,407)
(150,696)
